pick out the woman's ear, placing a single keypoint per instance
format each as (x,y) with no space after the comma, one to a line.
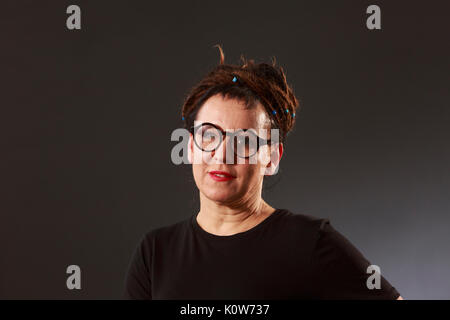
(276,153)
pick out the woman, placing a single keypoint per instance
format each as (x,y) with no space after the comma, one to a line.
(238,246)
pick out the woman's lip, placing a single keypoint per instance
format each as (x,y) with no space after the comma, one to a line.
(217,178)
(222,172)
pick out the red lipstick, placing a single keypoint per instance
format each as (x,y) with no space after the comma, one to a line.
(221,175)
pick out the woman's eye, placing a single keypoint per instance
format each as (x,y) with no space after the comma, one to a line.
(209,135)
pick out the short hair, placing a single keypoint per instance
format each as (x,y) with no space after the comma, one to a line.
(254,82)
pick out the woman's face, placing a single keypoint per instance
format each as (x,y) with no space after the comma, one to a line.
(246,184)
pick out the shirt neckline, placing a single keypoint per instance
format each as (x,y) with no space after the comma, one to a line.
(240,235)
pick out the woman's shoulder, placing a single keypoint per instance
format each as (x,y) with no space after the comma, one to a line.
(304,220)
(167,231)
(298,228)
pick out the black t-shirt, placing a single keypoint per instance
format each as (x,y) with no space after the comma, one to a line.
(286,256)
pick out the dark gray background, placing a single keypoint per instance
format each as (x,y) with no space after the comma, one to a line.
(86,118)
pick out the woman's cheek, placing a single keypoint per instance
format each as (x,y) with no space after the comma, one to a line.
(248,174)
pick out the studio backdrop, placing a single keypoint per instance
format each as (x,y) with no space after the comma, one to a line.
(91,92)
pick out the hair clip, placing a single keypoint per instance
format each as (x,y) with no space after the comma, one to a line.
(293,115)
(234,79)
(287,110)
(274,112)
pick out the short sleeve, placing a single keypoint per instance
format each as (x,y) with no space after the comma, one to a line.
(138,280)
(340,270)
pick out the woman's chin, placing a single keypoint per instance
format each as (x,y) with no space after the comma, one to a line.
(220,195)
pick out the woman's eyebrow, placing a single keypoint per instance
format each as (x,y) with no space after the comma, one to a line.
(231,130)
(245,129)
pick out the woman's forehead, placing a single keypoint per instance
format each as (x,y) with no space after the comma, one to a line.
(232,114)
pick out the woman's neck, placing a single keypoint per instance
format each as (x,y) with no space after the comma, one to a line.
(225,220)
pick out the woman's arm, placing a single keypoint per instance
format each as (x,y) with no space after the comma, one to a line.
(340,269)
(137,281)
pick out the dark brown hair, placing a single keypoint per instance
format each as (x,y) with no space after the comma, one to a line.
(255,82)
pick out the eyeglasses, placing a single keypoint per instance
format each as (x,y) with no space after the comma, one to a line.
(245,142)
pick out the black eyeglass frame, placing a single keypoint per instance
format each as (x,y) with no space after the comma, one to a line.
(259,141)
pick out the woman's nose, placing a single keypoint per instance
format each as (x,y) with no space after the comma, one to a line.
(220,154)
